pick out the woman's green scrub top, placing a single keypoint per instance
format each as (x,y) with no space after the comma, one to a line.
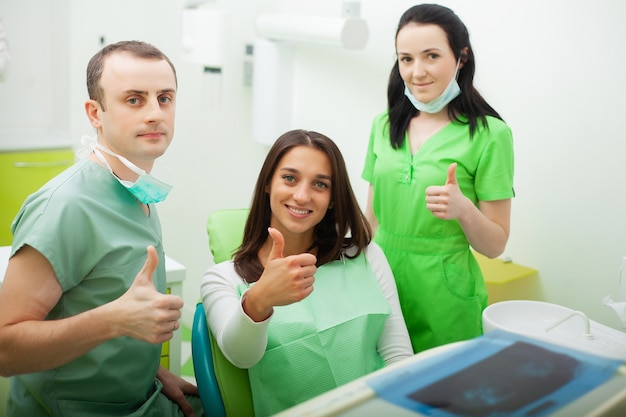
(440,285)
(94,234)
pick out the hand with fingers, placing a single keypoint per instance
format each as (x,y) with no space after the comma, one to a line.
(284,281)
(175,388)
(447,201)
(144,313)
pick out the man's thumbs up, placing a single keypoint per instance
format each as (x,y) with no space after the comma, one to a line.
(142,312)
(145,276)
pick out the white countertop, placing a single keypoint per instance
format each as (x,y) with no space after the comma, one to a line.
(5,251)
(175,271)
(25,139)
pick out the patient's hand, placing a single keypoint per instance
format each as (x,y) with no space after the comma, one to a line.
(284,281)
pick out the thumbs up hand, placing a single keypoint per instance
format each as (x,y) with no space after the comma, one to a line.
(278,244)
(446,201)
(284,281)
(144,313)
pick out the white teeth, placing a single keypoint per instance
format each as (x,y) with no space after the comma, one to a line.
(298,211)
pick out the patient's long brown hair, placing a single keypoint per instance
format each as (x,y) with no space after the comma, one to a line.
(343,226)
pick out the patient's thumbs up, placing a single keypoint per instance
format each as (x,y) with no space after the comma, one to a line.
(277,246)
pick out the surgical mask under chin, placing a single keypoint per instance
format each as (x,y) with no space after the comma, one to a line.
(147,188)
(436,105)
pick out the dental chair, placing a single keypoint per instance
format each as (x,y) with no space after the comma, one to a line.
(224,389)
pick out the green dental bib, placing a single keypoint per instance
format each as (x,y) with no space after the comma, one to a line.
(324,341)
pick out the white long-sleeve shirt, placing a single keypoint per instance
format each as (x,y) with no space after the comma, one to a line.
(244,341)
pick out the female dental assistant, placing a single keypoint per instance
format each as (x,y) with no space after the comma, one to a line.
(440,168)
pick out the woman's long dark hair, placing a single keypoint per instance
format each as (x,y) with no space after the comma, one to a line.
(469,107)
(343,226)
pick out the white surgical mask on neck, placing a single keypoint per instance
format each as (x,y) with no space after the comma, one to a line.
(147,188)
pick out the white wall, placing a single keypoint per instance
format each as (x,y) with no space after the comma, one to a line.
(35,93)
(551,68)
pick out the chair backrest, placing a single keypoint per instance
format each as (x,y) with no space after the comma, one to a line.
(224,380)
(225,230)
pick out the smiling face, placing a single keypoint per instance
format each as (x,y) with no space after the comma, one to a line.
(425,59)
(300,192)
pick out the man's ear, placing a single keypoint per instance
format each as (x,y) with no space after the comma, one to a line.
(92,109)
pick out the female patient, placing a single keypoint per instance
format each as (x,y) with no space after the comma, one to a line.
(308,303)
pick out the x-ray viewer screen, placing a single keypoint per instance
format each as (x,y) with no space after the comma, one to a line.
(509,380)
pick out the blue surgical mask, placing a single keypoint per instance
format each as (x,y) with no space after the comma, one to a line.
(436,105)
(147,188)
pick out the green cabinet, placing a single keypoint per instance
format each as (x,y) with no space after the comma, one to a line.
(21,174)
